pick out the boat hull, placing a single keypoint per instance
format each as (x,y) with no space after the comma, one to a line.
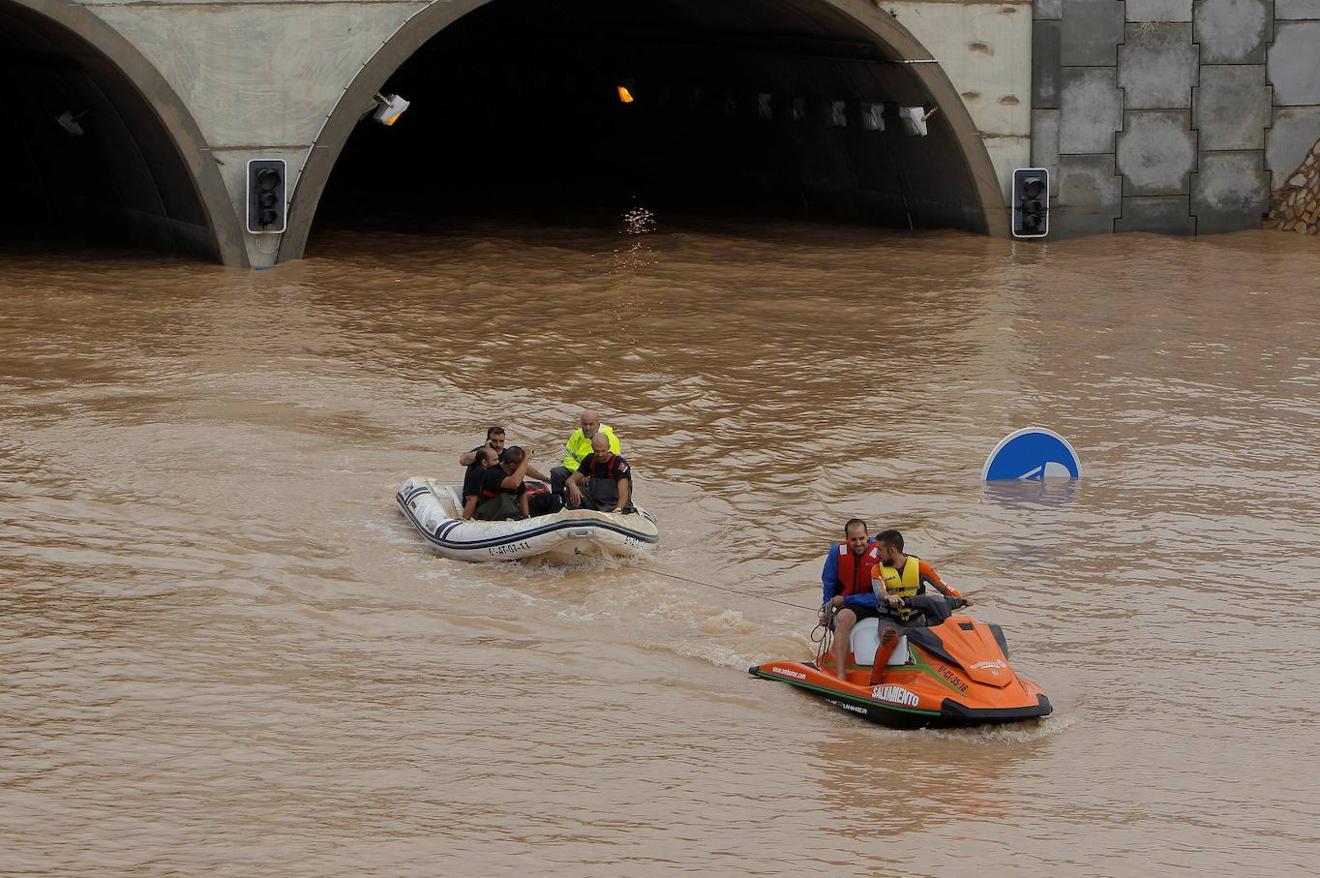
(434,511)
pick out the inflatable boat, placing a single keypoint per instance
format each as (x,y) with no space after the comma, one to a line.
(437,513)
(953,671)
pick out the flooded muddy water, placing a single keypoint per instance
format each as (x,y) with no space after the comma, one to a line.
(226,653)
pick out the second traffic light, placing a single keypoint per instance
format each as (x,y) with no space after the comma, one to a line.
(1031,203)
(266,200)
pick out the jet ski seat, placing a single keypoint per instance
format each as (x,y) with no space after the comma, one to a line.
(866,640)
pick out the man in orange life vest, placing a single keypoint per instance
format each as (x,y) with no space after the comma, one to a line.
(846,579)
(898,576)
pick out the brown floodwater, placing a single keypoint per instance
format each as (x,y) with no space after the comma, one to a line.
(225,653)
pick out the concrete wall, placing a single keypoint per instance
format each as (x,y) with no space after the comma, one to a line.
(262,78)
(1172,115)
(984,46)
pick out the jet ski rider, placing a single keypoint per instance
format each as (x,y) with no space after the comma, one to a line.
(897,576)
(846,581)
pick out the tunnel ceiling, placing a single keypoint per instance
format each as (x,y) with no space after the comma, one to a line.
(741,107)
(111,174)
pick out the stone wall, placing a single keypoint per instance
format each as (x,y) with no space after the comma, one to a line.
(1295,206)
(1171,115)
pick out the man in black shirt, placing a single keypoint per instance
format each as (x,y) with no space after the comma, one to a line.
(495,441)
(503,493)
(482,459)
(607,478)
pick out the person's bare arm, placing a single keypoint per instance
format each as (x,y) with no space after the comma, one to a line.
(625,492)
(470,507)
(571,486)
(515,478)
(467,458)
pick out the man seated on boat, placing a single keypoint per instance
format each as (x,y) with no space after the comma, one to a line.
(482,459)
(495,440)
(603,480)
(503,492)
(578,446)
(846,582)
(896,576)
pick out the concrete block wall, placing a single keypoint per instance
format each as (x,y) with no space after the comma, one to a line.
(1171,116)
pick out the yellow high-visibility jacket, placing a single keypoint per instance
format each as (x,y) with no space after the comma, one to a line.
(578,446)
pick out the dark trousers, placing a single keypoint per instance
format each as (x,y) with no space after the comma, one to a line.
(558,476)
(544,504)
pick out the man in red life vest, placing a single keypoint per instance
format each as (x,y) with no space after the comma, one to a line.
(846,581)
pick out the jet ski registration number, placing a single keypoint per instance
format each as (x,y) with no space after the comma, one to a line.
(510,548)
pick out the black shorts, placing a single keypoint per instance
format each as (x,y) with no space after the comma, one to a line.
(862,612)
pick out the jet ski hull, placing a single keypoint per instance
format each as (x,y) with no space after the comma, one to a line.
(955,674)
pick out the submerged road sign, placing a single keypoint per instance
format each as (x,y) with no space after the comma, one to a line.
(1033,453)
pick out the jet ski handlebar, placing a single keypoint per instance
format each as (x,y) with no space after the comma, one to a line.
(935,607)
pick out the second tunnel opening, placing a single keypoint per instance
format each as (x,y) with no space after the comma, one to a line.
(766,109)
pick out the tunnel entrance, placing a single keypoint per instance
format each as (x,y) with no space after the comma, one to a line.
(745,107)
(87,158)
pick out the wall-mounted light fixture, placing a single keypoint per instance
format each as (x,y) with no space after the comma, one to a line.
(914,119)
(69,122)
(389,108)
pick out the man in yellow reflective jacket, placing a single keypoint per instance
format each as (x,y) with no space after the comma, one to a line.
(578,447)
(896,576)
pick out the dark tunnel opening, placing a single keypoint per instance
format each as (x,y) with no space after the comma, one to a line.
(88,162)
(745,108)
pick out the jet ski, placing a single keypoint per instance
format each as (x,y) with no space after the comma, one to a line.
(945,670)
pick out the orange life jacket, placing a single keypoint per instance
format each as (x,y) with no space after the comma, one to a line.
(854,572)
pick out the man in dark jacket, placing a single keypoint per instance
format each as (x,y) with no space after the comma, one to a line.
(503,492)
(603,480)
(483,458)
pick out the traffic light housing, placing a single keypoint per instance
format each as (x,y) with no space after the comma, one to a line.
(267,205)
(1031,203)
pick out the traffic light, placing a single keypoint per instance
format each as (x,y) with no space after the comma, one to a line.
(1031,203)
(266,202)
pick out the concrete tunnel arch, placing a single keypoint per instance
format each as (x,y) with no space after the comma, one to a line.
(138,172)
(953,125)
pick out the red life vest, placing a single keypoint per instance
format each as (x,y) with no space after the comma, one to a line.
(854,572)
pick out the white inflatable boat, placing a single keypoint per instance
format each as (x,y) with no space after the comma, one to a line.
(437,512)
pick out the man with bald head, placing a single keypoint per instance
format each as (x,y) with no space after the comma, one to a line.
(603,480)
(578,447)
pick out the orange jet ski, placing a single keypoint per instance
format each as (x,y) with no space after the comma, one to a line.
(945,670)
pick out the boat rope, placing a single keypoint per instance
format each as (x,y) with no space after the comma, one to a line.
(822,636)
(746,594)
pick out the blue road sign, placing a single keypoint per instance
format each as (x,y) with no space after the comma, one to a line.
(1033,453)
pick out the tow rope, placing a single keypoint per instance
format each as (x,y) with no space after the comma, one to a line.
(746,594)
